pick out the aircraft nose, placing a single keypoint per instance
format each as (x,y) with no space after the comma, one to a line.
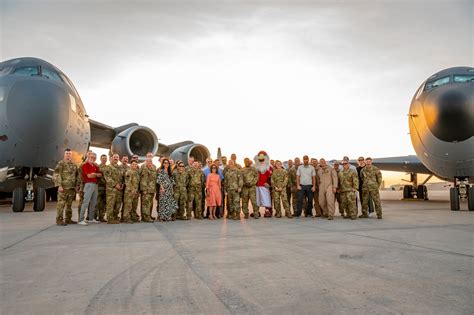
(37,111)
(450,114)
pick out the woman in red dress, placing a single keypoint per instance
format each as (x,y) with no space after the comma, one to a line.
(213,191)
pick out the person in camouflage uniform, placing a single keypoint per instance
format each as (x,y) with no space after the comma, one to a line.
(100,207)
(249,189)
(147,187)
(233,186)
(316,206)
(337,195)
(124,166)
(371,179)
(113,190)
(279,181)
(180,192)
(288,186)
(196,184)
(66,179)
(292,182)
(348,185)
(132,182)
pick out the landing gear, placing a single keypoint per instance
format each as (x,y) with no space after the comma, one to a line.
(407,189)
(416,191)
(422,192)
(454,198)
(18,199)
(470,198)
(461,190)
(39,199)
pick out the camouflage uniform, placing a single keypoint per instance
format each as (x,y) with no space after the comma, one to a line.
(371,179)
(317,207)
(249,190)
(148,190)
(124,169)
(113,177)
(279,182)
(195,187)
(130,199)
(338,195)
(100,207)
(293,188)
(65,175)
(233,185)
(348,184)
(180,192)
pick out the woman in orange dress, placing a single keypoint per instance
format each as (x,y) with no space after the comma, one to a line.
(213,191)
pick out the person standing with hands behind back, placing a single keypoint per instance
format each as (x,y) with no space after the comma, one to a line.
(213,191)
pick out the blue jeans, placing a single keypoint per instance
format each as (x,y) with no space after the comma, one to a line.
(305,192)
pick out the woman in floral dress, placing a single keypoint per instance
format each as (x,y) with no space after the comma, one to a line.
(167,204)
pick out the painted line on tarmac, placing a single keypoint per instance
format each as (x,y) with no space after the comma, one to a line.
(28,237)
(232,301)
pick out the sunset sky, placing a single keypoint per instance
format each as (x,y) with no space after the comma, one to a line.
(323,78)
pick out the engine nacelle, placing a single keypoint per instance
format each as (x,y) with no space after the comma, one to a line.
(198,151)
(135,140)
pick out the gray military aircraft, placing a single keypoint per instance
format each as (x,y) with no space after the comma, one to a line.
(441,122)
(42,114)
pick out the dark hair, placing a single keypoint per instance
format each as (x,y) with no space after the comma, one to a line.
(214,166)
(103,155)
(162,167)
(67,150)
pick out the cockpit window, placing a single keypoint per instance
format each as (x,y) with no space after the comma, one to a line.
(51,74)
(464,78)
(26,71)
(436,83)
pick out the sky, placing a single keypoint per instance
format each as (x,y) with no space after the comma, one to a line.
(322,78)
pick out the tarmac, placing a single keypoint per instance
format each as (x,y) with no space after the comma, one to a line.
(417,260)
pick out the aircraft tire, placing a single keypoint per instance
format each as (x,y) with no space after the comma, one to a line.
(422,192)
(18,199)
(470,198)
(454,198)
(407,192)
(40,199)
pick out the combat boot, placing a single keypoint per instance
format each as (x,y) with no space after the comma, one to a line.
(60,222)
(278,215)
(70,221)
(330,217)
(363,216)
(289,215)
(113,221)
(256,215)
(379,216)
(246,216)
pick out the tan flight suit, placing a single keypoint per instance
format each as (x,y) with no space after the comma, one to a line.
(327,181)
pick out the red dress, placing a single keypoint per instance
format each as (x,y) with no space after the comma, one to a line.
(213,186)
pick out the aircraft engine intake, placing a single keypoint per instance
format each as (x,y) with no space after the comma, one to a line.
(198,151)
(135,140)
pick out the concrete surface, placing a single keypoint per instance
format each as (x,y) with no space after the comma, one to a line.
(418,259)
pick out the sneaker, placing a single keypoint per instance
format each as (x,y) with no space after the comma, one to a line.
(83,223)
(94,221)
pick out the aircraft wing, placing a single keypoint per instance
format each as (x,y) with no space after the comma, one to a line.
(102,135)
(406,164)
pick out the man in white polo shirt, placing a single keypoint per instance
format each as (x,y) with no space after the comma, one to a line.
(306,184)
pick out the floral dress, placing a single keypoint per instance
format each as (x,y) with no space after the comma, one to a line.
(167,205)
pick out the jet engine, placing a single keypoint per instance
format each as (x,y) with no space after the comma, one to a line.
(135,140)
(198,151)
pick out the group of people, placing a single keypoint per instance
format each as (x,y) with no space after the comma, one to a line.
(110,192)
